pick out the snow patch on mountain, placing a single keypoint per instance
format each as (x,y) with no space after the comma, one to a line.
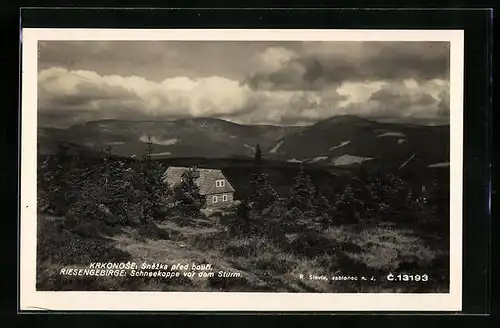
(401,141)
(349,160)
(275,148)
(343,143)
(317,159)
(293,160)
(157,141)
(161,154)
(113,143)
(443,164)
(102,127)
(392,134)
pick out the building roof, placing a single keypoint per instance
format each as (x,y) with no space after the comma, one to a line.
(205,181)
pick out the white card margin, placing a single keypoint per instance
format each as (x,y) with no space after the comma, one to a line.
(30,299)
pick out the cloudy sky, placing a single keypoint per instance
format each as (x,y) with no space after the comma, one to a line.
(281,83)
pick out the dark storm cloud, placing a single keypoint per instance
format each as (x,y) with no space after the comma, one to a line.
(444,104)
(391,102)
(82,54)
(375,61)
(284,83)
(393,99)
(407,101)
(153,60)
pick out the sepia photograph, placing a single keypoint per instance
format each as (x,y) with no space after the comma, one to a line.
(244,166)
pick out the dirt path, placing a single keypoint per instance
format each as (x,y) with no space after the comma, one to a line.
(181,251)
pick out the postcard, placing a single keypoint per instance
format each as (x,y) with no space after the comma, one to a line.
(241,170)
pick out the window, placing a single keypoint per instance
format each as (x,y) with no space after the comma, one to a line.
(224,198)
(214,199)
(219,183)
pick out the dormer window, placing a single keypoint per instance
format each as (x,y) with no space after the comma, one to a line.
(220,183)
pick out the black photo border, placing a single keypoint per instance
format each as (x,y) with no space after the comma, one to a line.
(477,27)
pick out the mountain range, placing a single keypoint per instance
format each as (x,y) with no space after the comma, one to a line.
(337,141)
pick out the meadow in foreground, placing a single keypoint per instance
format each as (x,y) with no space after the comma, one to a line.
(118,211)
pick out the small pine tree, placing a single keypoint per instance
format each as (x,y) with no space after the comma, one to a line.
(147,155)
(263,201)
(241,223)
(376,196)
(59,176)
(258,155)
(389,197)
(100,191)
(118,188)
(65,172)
(348,206)
(186,196)
(324,211)
(44,185)
(303,193)
(151,190)
(302,204)
(107,165)
(262,194)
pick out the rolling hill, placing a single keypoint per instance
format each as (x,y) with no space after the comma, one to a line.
(348,140)
(338,141)
(205,137)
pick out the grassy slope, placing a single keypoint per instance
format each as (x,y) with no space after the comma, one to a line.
(262,265)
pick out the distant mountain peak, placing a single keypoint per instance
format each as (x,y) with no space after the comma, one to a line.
(210,137)
(346,118)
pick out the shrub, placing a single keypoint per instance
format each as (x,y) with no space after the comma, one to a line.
(375,196)
(151,231)
(275,262)
(56,244)
(388,249)
(306,208)
(208,241)
(312,243)
(248,246)
(186,196)
(307,266)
